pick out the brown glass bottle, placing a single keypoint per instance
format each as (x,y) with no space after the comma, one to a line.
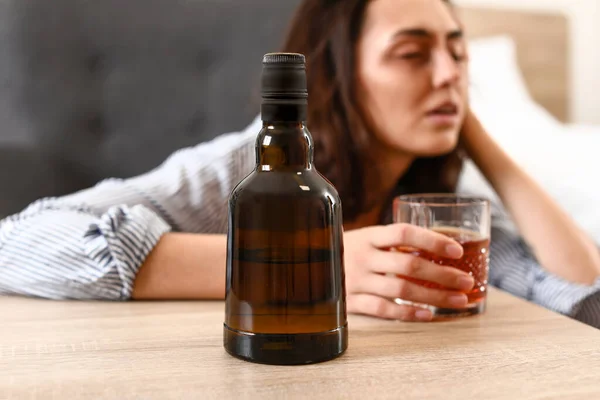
(285,299)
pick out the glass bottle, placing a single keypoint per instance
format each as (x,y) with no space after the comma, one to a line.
(285,289)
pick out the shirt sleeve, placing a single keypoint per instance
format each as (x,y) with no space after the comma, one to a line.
(90,245)
(514,268)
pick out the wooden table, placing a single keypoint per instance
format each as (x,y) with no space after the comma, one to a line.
(173,350)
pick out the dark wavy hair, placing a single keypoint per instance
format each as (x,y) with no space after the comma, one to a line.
(326,32)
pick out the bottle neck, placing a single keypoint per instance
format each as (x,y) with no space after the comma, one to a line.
(292,110)
(284,145)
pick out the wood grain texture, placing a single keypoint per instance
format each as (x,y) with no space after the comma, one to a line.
(173,350)
(542,49)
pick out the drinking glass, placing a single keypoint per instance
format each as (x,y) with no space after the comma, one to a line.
(466,219)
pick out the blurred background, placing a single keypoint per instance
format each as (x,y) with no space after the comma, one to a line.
(109,88)
(583,53)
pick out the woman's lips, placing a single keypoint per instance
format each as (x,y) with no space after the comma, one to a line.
(444,115)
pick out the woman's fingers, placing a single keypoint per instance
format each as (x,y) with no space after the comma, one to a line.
(376,276)
(392,287)
(409,265)
(376,306)
(406,235)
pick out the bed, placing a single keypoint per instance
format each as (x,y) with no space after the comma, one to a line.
(542,46)
(520,90)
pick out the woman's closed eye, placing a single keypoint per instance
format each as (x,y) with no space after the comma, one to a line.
(458,52)
(421,55)
(458,57)
(413,55)
(410,51)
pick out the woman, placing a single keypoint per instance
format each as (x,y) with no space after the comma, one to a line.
(388,108)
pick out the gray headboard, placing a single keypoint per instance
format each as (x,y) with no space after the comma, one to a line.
(91,89)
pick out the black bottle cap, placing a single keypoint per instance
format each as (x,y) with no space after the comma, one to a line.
(284,77)
(284,59)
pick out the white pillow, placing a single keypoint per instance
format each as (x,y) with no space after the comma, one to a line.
(563,159)
(494,70)
(498,91)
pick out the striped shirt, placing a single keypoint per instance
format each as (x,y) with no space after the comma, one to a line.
(90,245)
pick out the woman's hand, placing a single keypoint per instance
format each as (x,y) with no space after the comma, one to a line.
(372,271)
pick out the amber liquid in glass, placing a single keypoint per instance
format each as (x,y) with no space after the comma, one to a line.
(475,260)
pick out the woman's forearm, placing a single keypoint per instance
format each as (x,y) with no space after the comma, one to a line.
(559,245)
(183,266)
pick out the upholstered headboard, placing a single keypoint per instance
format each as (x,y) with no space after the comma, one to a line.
(110,88)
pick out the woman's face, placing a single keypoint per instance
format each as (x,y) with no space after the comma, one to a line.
(412,73)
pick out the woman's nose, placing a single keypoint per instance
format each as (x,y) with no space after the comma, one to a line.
(445,69)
